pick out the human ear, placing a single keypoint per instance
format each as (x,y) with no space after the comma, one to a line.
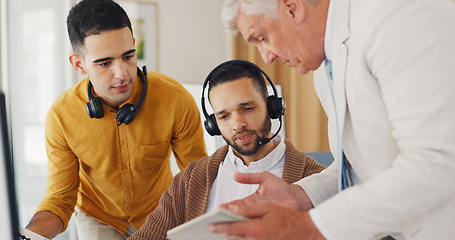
(77,64)
(295,9)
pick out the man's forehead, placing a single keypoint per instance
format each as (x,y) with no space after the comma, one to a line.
(236,92)
(245,22)
(112,43)
(250,26)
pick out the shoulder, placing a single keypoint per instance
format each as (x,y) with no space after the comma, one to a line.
(207,164)
(393,17)
(298,156)
(297,164)
(162,82)
(73,97)
(170,90)
(291,151)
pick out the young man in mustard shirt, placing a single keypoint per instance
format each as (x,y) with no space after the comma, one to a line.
(110,136)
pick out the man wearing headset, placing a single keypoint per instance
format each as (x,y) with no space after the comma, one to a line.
(242,115)
(109,137)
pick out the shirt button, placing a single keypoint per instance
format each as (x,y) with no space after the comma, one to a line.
(129,207)
(125,167)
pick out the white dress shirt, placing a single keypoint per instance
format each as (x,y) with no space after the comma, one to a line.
(226,189)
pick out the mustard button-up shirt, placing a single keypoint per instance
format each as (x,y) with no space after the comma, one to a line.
(117,173)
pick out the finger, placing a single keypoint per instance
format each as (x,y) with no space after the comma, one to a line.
(234,238)
(237,238)
(235,202)
(251,178)
(252,211)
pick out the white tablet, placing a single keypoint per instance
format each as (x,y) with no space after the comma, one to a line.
(197,228)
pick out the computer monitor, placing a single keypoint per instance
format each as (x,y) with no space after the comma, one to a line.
(9,218)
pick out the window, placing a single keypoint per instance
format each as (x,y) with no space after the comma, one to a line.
(37,72)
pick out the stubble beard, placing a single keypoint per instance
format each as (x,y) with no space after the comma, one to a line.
(245,150)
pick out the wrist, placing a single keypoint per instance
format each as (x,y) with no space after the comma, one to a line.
(303,201)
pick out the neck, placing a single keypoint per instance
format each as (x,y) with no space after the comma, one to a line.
(319,19)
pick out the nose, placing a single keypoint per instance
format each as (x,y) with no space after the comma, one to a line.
(267,55)
(120,70)
(239,122)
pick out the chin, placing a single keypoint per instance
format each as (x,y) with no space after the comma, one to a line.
(302,70)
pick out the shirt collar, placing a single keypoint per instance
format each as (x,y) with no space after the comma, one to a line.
(328,34)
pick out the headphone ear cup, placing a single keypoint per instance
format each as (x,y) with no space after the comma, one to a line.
(94,108)
(276,107)
(126,114)
(211,126)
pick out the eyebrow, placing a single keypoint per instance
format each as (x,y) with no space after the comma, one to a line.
(252,34)
(240,105)
(110,58)
(249,37)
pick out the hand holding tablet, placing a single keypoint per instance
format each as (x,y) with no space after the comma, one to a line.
(197,228)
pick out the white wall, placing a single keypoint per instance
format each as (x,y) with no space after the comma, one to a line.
(191,38)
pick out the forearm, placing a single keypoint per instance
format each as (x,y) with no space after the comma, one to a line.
(46,224)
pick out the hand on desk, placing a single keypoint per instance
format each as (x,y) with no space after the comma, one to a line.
(278,211)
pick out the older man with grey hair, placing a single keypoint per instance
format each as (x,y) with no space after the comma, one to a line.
(387,86)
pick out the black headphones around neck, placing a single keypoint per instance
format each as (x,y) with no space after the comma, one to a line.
(275,105)
(127,112)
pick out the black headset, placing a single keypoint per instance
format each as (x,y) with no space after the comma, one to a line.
(127,112)
(275,105)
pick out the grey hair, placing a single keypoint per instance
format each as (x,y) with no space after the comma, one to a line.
(231,8)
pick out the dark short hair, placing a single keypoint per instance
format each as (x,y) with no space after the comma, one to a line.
(232,72)
(90,17)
